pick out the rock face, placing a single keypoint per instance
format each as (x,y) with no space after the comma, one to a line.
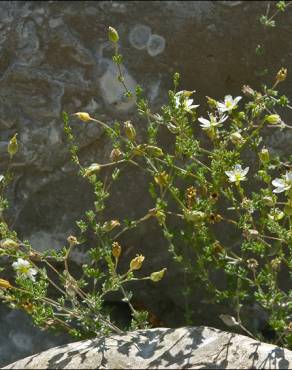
(183,348)
(55,56)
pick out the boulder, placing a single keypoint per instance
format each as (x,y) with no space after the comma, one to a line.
(163,348)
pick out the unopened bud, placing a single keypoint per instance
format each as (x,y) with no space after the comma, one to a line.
(92,169)
(247,90)
(264,155)
(252,263)
(194,216)
(116,250)
(273,119)
(83,116)
(113,35)
(250,234)
(236,138)
(110,225)
(13,146)
(137,262)
(211,102)
(72,240)
(4,284)
(9,244)
(115,155)
(130,131)
(275,263)
(158,275)
(281,75)
(153,151)
(268,201)
(161,178)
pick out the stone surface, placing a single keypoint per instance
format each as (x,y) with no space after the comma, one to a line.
(55,56)
(183,348)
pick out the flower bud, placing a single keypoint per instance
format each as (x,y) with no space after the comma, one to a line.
(161,178)
(236,138)
(115,155)
(273,119)
(13,146)
(83,116)
(9,244)
(137,262)
(252,263)
(211,102)
(153,151)
(247,90)
(275,263)
(264,155)
(113,35)
(130,130)
(110,225)
(139,150)
(93,168)
(276,214)
(281,75)
(250,234)
(4,284)
(268,201)
(194,216)
(158,275)
(116,250)
(72,240)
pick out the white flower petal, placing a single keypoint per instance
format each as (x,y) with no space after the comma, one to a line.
(204,121)
(236,100)
(245,171)
(278,190)
(279,183)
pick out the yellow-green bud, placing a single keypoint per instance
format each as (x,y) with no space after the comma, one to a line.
(211,102)
(83,116)
(4,284)
(153,151)
(264,155)
(273,119)
(72,240)
(113,35)
(115,155)
(110,225)
(130,131)
(158,275)
(194,216)
(161,178)
(281,75)
(137,262)
(9,243)
(236,138)
(13,146)
(268,201)
(116,250)
(93,168)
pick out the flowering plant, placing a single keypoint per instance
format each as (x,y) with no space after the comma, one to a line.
(203,188)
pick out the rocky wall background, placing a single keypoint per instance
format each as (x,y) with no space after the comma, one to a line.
(55,56)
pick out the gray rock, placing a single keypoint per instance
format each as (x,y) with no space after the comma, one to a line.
(183,348)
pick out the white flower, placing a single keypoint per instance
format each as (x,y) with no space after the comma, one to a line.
(24,269)
(283,184)
(182,101)
(237,174)
(229,104)
(209,124)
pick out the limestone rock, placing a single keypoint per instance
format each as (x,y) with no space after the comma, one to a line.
(183,348)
